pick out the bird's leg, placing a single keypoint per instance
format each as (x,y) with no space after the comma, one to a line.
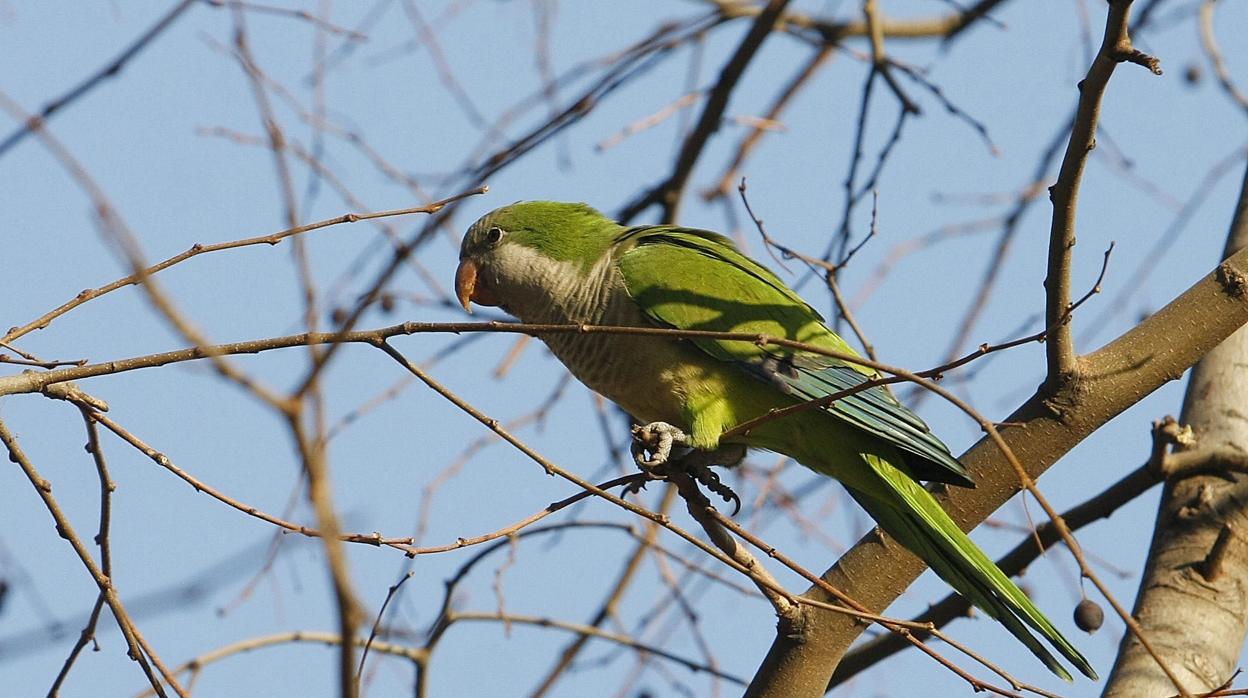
(659,439)
(727,455)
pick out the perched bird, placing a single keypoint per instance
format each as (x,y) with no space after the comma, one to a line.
(565,263)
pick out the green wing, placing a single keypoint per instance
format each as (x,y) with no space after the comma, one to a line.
(697,280)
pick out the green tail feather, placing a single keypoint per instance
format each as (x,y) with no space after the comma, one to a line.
(917,521)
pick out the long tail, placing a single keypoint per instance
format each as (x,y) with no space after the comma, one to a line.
(916,520)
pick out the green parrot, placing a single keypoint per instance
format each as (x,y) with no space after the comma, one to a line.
(566,263)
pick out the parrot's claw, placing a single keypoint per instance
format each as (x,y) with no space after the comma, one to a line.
(657,438)
(700,470)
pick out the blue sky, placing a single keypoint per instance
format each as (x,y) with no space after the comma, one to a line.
(152,137)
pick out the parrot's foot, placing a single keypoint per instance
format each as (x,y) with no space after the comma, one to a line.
(659,438)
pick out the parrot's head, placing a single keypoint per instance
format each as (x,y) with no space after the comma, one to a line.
(517,256)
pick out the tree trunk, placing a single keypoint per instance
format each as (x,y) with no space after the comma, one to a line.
(1193,598)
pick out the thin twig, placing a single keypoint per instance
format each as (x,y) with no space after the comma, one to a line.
(372,634)
(591,631)
(611,604)
(416,654)
(374,539)
(754,137)
(101,539)
(110,70)
(320,23)
(195,250)
(139,650)
(1210,43)
(668,193)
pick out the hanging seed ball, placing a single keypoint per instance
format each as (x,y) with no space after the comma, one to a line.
(1089,616)
(387,303)
(339,316)
(1191,74)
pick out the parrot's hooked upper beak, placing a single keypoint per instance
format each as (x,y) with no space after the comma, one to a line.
(470,288)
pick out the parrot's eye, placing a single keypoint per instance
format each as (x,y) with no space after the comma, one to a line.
(493,236)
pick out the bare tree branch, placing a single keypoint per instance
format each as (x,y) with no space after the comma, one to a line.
(1115,48)
(668,194)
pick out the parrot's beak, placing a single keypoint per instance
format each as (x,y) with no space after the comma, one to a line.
(465,282)
(470,288)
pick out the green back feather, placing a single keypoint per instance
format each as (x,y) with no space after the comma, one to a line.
(696,279)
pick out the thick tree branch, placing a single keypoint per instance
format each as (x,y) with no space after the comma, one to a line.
(1115,48)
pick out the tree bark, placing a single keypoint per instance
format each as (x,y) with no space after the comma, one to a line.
(876,570)
(1193,597)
